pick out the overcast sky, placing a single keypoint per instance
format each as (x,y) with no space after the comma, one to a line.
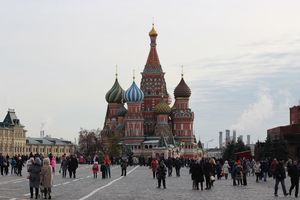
(241,60)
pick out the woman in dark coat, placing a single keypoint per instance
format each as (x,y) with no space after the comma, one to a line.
(197,174)
(161,174)
(34,177)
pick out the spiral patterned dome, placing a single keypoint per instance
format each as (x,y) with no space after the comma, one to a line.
(182,89)
(115,94)
(134,94)
(162,108)
(122,111)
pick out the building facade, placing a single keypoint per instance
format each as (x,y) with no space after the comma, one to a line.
(13,140)
(12,135)
(149,126)
(290,133)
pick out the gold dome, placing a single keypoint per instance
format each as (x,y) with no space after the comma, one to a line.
(162,108)
(153,31)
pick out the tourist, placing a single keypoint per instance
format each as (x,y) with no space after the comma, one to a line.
(46,178)
(197,174)
(207,168)
(1,163)
(95,169)
(170,166)
(64,166)
(103,170)
(107,164)
(72,166)
(245,171)
(239,172)
(20,165)
(294,173)
(225,169)
(257,170)
(219,170)
(34,177)
(5,166)
(13,165)
(154,166)
(177,167)
(123,167)
(161,174)
(53,164)
(264,169)
(279,175)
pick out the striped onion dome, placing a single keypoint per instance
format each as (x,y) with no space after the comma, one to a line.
(122,111)
(162,108)
(133,94)
(182,89)
(115,94)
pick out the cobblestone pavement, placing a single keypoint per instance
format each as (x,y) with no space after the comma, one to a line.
(138,184)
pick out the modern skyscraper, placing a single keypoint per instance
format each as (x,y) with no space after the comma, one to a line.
(227,137)
(234,135)
(220,139)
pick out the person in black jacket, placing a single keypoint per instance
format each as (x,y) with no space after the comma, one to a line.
(207,168)
(72,166)
(161,174)
(177,167)
(197,174)
(279,175)
(294,173)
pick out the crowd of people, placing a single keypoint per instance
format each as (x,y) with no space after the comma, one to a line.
(204,172)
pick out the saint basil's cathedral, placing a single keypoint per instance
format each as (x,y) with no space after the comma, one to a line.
(149,126)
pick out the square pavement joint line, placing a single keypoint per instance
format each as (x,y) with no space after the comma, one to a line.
(110,183)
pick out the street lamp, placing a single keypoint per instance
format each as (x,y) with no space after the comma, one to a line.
(208,142)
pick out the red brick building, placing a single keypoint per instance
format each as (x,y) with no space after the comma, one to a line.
(290,133)
(149,126)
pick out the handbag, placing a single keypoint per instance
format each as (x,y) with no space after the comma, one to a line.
(212,178)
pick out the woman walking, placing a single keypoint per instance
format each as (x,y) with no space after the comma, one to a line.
(34,177)
(225,169)
(46,178)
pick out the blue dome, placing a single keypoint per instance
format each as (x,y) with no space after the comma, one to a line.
(134,94)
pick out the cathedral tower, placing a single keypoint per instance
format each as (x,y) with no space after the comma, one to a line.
(152,83)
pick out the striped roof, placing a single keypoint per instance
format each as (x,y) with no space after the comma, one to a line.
(134,94)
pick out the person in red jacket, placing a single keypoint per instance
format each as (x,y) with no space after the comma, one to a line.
(154,165)
(95,169)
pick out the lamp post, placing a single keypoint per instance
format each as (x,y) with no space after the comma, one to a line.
(208,142)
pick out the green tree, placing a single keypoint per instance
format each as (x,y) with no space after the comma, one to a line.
(232,148)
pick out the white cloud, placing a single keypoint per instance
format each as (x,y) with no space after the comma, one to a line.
(257,113)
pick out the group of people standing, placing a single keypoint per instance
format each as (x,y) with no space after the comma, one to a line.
(69,163)
(16,164)
(40,176)
(104,168)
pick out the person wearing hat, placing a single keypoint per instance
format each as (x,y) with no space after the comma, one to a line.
(34,177)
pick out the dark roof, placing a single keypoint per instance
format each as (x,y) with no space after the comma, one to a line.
(10,119)
(47,141)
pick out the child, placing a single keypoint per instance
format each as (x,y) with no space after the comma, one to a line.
(95,169)
(103,170)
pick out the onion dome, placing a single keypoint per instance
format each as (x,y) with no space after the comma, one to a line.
(134,94)
(115,94)
(162,108)
(153,31)
(122,111)
(182,89)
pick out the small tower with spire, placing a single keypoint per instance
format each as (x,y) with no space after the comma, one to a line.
(182,116)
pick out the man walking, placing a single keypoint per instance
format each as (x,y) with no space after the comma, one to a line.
(294,173)
(279,175)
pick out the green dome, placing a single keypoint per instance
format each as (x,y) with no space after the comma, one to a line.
(115,94)
(162,108)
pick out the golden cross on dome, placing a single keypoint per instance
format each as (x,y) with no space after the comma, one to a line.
(116,71)
(182,71)
(133,74)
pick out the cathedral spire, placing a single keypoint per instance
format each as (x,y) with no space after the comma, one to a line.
(153,64)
